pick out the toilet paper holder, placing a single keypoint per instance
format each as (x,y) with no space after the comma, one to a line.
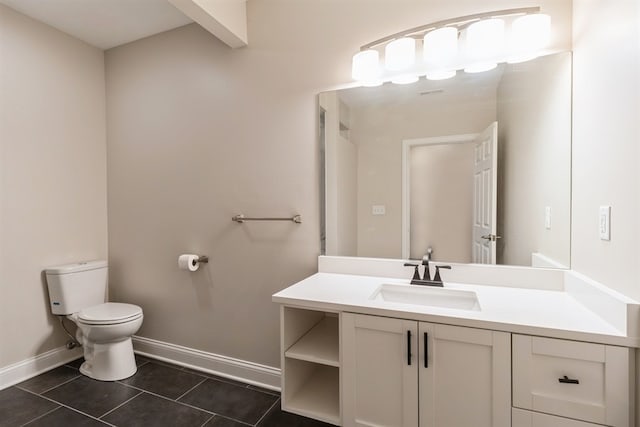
(203,258)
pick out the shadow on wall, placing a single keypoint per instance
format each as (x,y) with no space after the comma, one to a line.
(57,338)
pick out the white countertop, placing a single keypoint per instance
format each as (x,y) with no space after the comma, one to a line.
(550,313)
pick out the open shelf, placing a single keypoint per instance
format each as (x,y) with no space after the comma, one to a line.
(318,397)
(310,355)
(319,345)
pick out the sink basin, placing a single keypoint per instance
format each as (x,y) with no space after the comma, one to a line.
(427,296)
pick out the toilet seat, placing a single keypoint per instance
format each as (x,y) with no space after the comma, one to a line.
(110,313)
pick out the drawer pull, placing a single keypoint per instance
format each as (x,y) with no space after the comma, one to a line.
(567,380)
(426,350)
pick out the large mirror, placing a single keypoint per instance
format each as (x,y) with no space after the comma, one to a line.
(474,169)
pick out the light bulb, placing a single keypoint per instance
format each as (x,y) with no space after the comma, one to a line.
(529,35)
(485,39)
(400,54)
(405,79)
(365,66)
(441,75)
(440,46)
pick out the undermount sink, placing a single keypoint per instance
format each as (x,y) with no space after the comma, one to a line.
(427,296)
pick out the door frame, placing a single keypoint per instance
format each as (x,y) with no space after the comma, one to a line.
(407,144)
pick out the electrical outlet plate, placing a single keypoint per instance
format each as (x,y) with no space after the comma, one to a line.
(378,210)
(604,223)
(547,217)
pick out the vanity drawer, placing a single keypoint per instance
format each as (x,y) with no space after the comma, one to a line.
(522,418)
(584,381)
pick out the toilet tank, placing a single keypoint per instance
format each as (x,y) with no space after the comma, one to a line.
(73,287)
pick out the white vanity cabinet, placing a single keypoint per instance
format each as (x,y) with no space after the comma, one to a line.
(405,373)
(586,382)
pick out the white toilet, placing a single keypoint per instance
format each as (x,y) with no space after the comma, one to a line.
(78,291)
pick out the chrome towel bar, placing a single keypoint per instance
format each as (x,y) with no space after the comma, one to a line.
(241,218)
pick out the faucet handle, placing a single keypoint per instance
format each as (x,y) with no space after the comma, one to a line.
(416,273)
(425,262)
(437,278)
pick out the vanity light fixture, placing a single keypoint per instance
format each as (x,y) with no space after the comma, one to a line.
(473,43)
(484,44)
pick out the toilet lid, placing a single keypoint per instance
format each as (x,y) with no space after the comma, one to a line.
(109,313)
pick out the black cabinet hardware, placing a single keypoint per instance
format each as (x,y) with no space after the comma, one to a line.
(426,350)
(567,380)
(409,348)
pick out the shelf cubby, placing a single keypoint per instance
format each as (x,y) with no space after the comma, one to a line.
(311,363)
(312,390)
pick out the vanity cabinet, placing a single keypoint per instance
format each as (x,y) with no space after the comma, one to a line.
(582,381)
(371,371)
(406,373)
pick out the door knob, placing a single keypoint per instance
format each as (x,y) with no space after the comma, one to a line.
(491,237)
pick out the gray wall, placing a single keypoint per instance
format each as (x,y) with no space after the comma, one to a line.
(198,133)
(379,131)
(52,173)
(606,141)
(534,160)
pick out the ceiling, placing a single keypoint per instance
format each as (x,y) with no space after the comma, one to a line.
(104,23)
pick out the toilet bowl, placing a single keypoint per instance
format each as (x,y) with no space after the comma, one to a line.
(105,332)
(78,291)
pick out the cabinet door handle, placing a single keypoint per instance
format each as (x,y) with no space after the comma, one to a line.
(426,350)
(409,348)
(567,380)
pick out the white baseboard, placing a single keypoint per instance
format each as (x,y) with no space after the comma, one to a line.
(224,366)
(29,368)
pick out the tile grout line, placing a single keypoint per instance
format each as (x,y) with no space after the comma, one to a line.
(234,420)
(268,410)
(55,386)
(120,405)
(186,392)
(69,407)
(43,415)
(169,399)
(207,420)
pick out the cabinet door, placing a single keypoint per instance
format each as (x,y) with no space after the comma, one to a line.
(466,380)
(522,418)
(380,371)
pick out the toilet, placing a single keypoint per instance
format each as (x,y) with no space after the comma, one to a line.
(78,291)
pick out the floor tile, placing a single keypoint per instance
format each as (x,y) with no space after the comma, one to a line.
(149,410)
(50,379)
(140,360)
(278,418)
(229,400)
(163,380)
(226,380)
(18,406)
(264,390)
(65,417)
(219,421)
(91,396)
(76,363)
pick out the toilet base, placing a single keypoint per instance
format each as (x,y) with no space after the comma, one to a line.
(109,362)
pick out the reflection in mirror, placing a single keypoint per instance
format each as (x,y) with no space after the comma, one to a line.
(475,168)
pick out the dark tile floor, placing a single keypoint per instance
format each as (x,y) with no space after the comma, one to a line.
(159,394)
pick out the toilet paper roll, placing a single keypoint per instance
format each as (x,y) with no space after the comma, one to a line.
(188,262)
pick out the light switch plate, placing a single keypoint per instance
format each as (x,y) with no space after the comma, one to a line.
(378,210)
(547,217)
(604,223)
